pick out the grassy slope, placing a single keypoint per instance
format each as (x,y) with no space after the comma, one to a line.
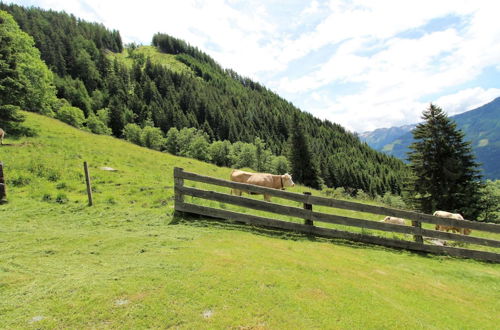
(128,263)
(167,60)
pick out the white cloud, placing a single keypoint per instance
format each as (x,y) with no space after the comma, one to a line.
(467,99)
(321,48)
(312,9)
(406,70)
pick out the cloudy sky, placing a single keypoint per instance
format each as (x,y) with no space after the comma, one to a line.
(364,64)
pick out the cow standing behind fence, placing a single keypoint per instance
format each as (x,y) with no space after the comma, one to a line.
(261,179)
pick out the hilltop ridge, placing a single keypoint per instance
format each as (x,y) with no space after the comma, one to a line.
(192,90)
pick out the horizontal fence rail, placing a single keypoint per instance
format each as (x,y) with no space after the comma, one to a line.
(311,216)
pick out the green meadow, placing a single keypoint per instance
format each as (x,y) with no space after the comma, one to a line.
(130,262)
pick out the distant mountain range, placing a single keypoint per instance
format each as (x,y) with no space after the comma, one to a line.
(481,126)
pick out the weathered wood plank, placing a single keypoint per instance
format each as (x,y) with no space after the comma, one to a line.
(316,200)
(178,184)
(330,218)
(247,202)
(332,233)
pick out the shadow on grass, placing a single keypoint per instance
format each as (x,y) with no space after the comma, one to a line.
(204,221)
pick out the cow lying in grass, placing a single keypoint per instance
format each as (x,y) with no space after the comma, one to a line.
(449,215)
(261,179)
(394,220)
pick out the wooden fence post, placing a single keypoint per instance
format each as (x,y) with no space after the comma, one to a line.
(87,179)
(308,207)
(3,193)
(178,183)
(417,238)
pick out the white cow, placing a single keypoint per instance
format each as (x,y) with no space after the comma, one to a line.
(449,215)
(393,220)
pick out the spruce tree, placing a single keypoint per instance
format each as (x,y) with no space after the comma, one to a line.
(304,167)
(445,175)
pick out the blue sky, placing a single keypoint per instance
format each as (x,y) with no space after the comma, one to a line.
(364,64)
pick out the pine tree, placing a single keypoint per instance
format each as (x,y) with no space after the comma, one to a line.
(304,168)
(444,171)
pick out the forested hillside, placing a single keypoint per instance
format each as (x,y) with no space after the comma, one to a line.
(116,87)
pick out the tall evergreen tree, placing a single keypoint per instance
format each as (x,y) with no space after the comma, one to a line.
(445,175)
(304,167)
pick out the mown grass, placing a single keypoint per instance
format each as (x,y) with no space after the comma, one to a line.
(128,262)
(151,52)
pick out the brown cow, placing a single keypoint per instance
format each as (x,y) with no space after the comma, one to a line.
(261,179)
(449,215)
(2,134)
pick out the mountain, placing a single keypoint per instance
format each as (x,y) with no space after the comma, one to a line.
(382,137)
(172,84)
(481,127)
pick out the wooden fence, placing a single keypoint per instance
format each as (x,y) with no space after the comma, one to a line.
(3,194)
(310,216)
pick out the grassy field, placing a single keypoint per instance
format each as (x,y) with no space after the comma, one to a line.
(151,52)
(128,262)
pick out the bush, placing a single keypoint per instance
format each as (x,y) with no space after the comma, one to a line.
(280,165)
(71,115)
(171,142)
(360,194)
(152,137)
(219,153)
(98,124)
(243,155)
(198,148)
(393,201)
(132,133)
(491,202)
(184,139)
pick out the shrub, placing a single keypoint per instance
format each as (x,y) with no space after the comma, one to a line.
(280,165)
(243,155)
(171,142)
(184,139)
(97,125)
(219,153)
(152,137)
(360,194)
(393,201)
(132,133)
(71,115)
(491,202)
(198,148)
